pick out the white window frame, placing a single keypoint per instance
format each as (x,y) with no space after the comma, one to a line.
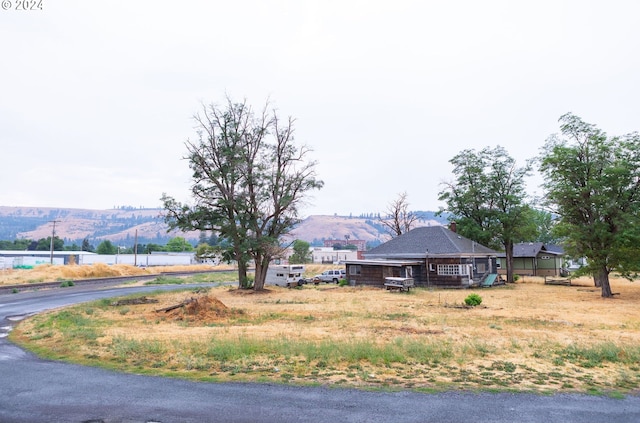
(451,269)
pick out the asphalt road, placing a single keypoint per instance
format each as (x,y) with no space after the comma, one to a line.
(34,390)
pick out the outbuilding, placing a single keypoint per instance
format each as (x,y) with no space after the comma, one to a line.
(535,259)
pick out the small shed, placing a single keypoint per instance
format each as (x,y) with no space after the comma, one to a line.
(535,259)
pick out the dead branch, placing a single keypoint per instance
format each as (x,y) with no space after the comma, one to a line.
(175,306)
(134,301)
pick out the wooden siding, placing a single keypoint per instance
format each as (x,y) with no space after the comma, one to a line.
(375,274)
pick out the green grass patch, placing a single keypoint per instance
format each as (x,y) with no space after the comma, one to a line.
(599,354)
(166,280)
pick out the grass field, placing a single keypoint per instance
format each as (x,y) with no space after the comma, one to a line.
(57,273)
(525,337)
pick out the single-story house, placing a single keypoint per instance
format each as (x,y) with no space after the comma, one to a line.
(535,259)
(434,256)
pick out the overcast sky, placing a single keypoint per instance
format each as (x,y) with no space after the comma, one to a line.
(97,97)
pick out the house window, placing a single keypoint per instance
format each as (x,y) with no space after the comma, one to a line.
(450,269)
(545,257)
(355,269)
(481,267)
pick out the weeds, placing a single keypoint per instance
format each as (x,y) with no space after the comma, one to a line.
(165,280)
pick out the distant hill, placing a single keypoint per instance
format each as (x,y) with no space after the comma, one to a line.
(120,225)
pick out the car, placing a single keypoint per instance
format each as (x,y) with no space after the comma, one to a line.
(330,276)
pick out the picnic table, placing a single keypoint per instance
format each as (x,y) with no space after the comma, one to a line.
(402,284)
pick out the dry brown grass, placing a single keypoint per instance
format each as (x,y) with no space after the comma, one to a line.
(526,336)
(54,273)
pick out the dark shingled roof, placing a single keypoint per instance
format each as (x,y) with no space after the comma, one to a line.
(532,249)
(436,240)
(524,249)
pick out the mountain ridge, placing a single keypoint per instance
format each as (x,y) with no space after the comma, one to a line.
(122,226)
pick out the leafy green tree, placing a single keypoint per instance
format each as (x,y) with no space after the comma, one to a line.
(106,247)
(178,244)
(249,179)
(544,223)
(86,245)
(301,252)
(592,181)
(487,200)
(151,247)
(44,244)
(16,244)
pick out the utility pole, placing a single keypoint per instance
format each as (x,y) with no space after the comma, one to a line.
(135,250)
(53,234)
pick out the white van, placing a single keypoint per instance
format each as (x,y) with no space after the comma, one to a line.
(285,275)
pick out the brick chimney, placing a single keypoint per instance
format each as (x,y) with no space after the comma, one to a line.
(452,226)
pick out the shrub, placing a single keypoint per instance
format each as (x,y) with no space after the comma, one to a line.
(343,282)
(473,300)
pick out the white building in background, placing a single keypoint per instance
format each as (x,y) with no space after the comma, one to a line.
(329,255)
(10,259)
(144,260)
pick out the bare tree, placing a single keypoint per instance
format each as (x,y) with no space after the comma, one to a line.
(398,219)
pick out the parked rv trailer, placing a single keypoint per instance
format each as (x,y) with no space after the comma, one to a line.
(285,275)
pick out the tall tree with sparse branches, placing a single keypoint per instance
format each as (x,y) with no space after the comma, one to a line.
(487,200)
(592,182)
(398,219)
(249,181)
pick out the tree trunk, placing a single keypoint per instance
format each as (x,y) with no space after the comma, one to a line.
(243,283)
(262,264)
(241,259)
(602,280)
(508,248)
(260,277)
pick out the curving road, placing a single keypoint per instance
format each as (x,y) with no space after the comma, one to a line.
(35,390)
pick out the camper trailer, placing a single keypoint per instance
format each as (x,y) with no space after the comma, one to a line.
(286,275)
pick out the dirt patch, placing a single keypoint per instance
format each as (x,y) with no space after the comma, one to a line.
(417,331)
(243,292)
